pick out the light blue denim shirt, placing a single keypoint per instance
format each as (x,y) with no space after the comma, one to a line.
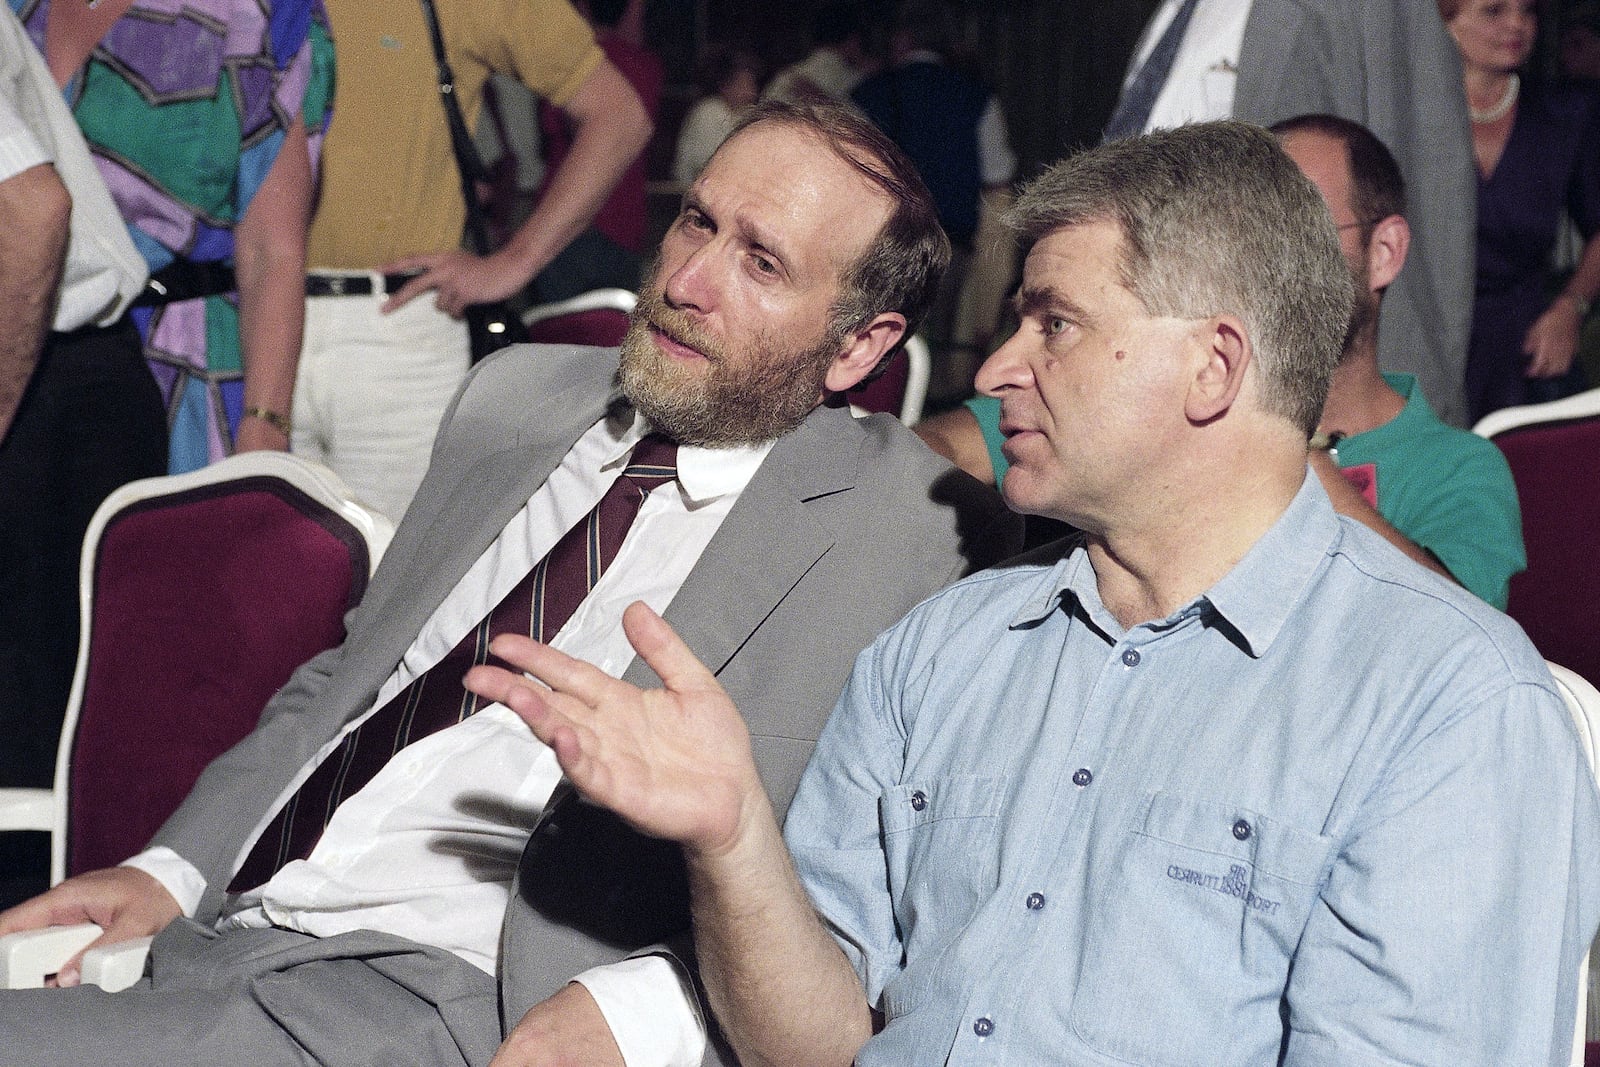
(1331,812)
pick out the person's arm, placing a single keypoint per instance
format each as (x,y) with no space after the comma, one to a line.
(270,262)
(35,211)
(642,1011)
(1450,925)
(565,1029)
(955,435)
(1347,500)
(610,129)
(1552,340)
(676,763)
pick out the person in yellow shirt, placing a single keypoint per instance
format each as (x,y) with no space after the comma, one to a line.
(379,365)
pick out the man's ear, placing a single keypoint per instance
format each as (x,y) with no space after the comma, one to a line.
(1220,367)
(862,350)
(1386,251)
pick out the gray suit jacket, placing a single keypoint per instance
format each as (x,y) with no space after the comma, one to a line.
(1389,65)
(847,524)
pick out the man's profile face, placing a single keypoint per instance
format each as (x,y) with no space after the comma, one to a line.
(1089,385)
(732,338)
(1326,162)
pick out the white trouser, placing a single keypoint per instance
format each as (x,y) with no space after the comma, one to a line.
(371,389)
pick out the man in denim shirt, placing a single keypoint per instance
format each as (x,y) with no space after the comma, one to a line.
(1231,782)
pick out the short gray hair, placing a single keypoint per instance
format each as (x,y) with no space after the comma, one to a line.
(1216,219)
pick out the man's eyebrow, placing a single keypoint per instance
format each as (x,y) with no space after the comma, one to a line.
(1037,299)
(754,236)
(747,229)
(691,202)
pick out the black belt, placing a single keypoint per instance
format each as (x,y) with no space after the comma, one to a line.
(353,284)
(184,279)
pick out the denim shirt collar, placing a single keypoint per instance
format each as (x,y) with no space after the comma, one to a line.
(1254,599)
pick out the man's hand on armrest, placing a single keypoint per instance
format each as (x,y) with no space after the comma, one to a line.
(565,1031)
(126,903)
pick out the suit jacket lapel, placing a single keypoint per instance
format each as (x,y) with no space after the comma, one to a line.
(765,545)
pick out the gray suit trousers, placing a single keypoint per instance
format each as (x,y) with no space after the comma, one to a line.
(268,998)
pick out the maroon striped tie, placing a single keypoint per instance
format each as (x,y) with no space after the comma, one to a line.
(539,606)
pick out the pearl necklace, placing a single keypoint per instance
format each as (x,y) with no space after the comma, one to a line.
(1497,111)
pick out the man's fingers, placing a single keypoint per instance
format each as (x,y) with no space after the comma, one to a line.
(407,293)
(660,646)
(33,914)
(565,674)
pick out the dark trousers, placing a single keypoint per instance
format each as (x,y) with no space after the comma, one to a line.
(90,420)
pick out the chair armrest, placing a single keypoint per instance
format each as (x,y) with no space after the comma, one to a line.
(116,967)
(27,958)
(27,809)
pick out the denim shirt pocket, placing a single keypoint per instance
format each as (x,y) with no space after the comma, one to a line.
(939,837)
(1190,933)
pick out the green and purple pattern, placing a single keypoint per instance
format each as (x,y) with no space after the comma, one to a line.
(185,104)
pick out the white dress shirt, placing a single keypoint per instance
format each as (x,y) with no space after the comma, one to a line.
(103,270)
(427,849)
(1200,86)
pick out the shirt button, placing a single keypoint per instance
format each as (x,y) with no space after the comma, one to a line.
(1035,901)
(1082,777)
(1241,830)
(1130,658)
(919,800)
(983,1027)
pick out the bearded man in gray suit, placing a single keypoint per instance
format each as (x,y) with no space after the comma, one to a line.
(789,535)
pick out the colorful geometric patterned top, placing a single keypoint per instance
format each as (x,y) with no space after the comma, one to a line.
(185,104)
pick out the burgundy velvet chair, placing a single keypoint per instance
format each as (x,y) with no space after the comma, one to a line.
(598,317)
(201,594)
(1554,452)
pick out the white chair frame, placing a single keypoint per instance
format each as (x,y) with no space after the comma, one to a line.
(594,300)
(1583,701)
(25,959)
(1578,406)
(919,366)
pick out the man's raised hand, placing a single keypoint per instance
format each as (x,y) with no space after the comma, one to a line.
(674,762)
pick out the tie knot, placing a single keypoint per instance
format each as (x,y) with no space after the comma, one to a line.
(654,460)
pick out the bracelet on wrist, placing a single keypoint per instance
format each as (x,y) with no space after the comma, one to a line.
(1576,301)
(276,419)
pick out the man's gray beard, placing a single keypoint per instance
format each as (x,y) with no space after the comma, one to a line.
(753,400)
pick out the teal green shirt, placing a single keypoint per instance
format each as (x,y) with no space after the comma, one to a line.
(1448,490)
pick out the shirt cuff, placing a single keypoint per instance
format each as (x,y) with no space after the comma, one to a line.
(177,876)
(649,1003)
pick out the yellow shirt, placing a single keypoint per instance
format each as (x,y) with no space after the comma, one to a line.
(390,187)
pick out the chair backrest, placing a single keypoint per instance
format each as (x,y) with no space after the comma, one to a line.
(1583,702)
(902,388)
(1554,453)
(598,317)
(201,594)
